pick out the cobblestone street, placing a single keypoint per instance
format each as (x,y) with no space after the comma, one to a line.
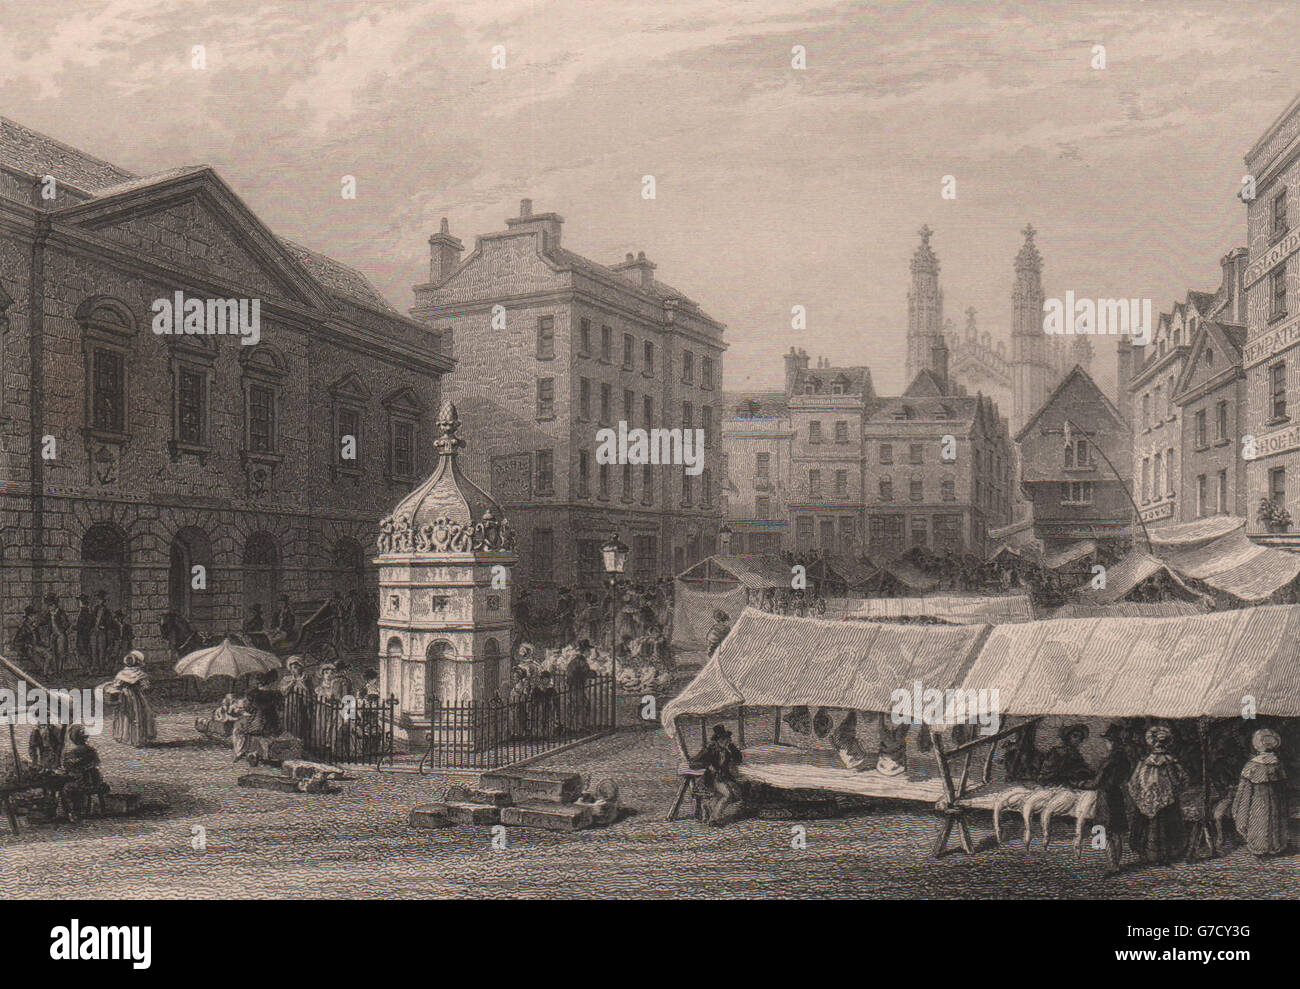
(357,843)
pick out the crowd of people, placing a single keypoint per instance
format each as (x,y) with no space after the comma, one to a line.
(638,614)
(307,705)
(547,698)
(1146,774)
(47,641)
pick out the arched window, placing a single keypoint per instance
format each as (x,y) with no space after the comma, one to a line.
(395,648)
(107,332)
(264,374)
(261,567)
(440,670)
(491,668)
(105,566)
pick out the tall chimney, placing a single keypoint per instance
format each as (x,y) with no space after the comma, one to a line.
(444,254)
(527,222)
(939,363)
(1232,293)
(1124,375)
(795,361)
(640,270)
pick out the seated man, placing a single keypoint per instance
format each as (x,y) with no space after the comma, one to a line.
(1064,764)
(81,765)
(223,719)
(260,719)
(719,760)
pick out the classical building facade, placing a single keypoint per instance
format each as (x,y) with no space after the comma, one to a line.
(129,458)
(938,469)
(1271,357)
(552,347)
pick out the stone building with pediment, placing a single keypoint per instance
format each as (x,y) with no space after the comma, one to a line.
(129,457)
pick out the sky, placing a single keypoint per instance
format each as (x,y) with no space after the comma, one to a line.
(774,186)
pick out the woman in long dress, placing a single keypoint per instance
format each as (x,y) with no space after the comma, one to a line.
(133,720)
(1156,830)
(1259,807)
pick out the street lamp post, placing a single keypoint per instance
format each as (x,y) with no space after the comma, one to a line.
(615,558)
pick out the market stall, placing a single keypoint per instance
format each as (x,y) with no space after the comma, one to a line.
(792,668)
(1189,672)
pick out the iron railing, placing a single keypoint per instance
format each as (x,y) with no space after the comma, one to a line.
(486,735)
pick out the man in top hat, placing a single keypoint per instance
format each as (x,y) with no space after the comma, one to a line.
(1112,775)
(55,624)
(285,622)
(1064,764)
(27,640)
(719,760)
(1156,784)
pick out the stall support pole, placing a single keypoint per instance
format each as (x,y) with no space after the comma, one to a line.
(1204,827)
(951,811)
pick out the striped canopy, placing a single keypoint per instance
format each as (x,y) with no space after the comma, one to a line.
(1203,665)
(778,661)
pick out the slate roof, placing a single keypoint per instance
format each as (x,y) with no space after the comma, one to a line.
(29,151)
(755,405)
(37,154)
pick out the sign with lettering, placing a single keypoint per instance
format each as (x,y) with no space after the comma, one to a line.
(1279,442)
(1272,343)
(512,477)
(1159,512)
(1274,256)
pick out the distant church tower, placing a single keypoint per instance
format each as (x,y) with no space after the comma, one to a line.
(924,308)
(1032,376)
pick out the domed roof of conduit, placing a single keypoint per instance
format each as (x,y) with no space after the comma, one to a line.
(448,512)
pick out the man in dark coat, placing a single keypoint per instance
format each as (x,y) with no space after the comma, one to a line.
(719,760)
(84,623)
(101,634)
(1109,782)
(54,625)
(1064,764)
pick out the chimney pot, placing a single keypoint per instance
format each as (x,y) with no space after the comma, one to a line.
(525,207)
(629,255)
(640,255)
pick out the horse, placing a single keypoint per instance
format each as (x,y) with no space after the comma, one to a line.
(181,635)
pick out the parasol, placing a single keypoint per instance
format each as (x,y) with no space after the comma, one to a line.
(226,659)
